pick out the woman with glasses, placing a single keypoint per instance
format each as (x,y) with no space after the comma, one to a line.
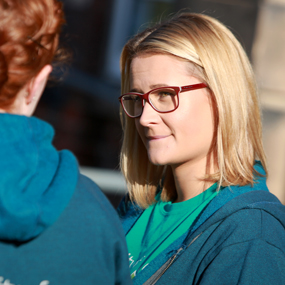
(198,209)
(56,226)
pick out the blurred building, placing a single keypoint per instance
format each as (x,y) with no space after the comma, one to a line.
(84,109)
(269,63)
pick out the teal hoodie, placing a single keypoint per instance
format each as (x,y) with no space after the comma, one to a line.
(56,226)
(239,238)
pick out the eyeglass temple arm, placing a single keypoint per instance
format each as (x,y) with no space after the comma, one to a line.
(193,87)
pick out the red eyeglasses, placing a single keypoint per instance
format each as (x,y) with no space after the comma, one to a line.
(162,99)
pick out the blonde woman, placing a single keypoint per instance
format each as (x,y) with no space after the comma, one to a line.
(56,226)
(198,209)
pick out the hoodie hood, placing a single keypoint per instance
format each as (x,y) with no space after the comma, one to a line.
(36,180)
(224,197)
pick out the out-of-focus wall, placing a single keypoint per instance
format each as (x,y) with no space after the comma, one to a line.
(269,63)
(239,15)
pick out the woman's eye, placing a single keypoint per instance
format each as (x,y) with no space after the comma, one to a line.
(165,93)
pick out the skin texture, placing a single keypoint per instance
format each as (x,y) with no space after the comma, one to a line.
(181,139)
(29,96)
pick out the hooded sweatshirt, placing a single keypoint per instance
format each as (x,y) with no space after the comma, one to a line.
(239,238)
(56,226)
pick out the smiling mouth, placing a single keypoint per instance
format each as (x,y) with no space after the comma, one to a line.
(155,138)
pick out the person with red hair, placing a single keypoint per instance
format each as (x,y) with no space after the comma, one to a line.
(56,226)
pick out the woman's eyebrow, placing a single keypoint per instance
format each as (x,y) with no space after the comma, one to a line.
(158,85)
(136,90)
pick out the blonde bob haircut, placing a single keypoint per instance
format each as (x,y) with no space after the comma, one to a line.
(222,63)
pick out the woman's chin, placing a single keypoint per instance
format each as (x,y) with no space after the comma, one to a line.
(159,161)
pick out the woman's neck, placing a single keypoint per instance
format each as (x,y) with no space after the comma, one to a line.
(188,179)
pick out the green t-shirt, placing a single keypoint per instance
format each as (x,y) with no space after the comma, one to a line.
(160,225)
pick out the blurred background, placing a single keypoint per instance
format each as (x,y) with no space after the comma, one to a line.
(84,109)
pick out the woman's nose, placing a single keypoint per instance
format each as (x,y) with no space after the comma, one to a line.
(149,115)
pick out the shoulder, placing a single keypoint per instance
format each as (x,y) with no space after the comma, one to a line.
(128,212)
(245,247)
(256,215)
(128,208)
(251,249)
(252,224)
(92,205)
(89,219)
(88,232)
(100,230)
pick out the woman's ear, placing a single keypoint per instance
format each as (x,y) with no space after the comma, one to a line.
(35,89)
(36,86)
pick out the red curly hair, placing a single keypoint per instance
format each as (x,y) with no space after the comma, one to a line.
(29,33)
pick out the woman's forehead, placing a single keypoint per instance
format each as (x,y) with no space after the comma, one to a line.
(160,70)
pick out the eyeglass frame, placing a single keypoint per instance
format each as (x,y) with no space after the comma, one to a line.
(145,97)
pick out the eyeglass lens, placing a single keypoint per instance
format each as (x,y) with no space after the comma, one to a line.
(163,99)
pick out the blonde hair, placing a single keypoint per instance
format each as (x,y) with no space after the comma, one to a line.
(224,66)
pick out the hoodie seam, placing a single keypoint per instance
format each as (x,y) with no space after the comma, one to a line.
(212,256)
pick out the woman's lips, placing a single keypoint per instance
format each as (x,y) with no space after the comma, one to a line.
(155,138)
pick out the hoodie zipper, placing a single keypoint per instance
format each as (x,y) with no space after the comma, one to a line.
(171,261)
